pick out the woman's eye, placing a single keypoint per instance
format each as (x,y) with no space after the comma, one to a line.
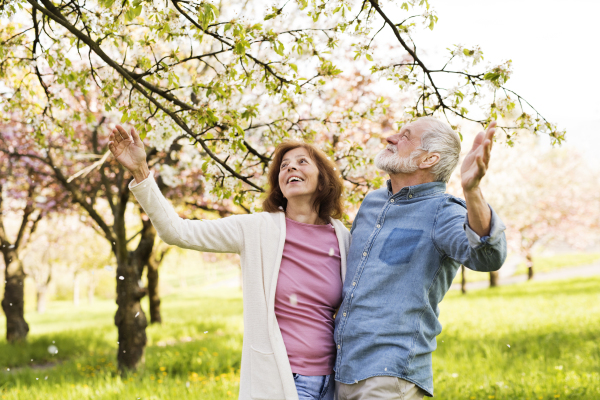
(303,161)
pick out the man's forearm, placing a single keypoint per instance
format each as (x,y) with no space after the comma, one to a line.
(478,211)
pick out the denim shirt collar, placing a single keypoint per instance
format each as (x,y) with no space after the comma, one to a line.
(424,189)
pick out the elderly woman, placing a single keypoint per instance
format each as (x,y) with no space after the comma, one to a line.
(293,259)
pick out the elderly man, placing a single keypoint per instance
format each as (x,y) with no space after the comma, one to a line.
(408,241)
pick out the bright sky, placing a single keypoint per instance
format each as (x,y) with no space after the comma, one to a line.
(554,48)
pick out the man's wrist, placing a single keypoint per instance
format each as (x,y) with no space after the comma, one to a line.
(474,192)
(141,173)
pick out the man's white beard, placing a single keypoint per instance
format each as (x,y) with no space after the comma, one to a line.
(393,164)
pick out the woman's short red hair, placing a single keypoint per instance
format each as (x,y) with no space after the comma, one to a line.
(328,202)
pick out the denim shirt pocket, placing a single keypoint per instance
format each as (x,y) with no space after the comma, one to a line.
(400,245)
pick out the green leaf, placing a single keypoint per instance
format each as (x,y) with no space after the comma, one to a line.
(491,76)
(369,57)
(278,47)
(107,3)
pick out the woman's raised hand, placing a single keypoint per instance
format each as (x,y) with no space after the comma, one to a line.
(128,149)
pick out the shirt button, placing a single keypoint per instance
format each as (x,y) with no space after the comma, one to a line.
(353,283)
(392,200)
(378,226)
(344,314)
(339,347)
(410,196)
(365,254)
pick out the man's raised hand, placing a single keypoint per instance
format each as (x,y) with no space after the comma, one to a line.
(476,162)
(127,148)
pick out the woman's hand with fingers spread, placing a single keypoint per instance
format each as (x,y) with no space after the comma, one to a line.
(128,149)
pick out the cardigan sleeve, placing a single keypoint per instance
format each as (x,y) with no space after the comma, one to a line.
(216,236)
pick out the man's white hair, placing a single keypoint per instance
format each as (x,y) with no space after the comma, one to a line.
(439,137)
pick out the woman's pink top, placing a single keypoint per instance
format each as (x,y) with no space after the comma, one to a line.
(309,290)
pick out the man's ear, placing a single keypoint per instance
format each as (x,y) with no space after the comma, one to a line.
(430,160)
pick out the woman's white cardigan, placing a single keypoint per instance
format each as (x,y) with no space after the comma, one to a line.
(258,239)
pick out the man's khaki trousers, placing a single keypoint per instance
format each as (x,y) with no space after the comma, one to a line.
(379,388)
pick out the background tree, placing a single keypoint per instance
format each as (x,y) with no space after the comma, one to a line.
(26,193)
(528,186)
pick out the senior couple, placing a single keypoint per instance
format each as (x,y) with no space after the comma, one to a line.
(335,314)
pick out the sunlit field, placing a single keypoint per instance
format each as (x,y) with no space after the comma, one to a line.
(528,341)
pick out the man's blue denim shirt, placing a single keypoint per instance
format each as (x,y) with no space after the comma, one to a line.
(405,251)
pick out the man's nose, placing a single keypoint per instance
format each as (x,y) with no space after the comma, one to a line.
(392,139)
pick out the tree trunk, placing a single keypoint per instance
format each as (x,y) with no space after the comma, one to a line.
(76,287)
(494,275)
(41,299)
(153,295)
(91,288)
(13,302)
(42,291)
(529,263)
(130,319)
(463,281)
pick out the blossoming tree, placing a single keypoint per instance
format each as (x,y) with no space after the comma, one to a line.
(26,192)
(232,80)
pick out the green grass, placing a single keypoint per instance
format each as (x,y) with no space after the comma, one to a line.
(553,329)
(540,264)
(182,361)
(559,261)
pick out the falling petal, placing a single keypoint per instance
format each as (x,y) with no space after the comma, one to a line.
(293,300)
(331,251)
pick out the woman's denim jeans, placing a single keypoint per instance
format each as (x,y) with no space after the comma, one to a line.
(319,387)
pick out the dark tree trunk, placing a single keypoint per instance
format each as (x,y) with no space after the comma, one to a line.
(154,260)
(13,302)
(153,294)
(529,261)
(463,280)
(130,319)
(494,278)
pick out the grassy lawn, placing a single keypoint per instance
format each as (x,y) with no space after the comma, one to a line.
(552,328)
(540,264)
